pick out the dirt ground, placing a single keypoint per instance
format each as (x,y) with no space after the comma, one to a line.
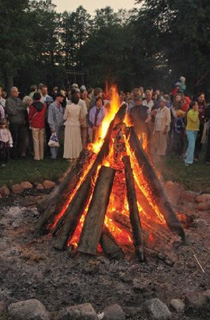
(31,268)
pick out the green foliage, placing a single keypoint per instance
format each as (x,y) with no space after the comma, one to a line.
(152,46)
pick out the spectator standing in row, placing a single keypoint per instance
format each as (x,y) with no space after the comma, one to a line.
(6,141)
(44,93)
(2,112)
(73,117)
(33,89)
(161,128)
(201,110)
(55,120)
(37,113)
(2,100)
(192,131)
(96,116)
(27,141)
(148,102)
(16,113)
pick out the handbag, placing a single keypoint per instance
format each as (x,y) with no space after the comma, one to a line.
(53,142)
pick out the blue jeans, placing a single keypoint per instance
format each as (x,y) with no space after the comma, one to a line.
(191,138)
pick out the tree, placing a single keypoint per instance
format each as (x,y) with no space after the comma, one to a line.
(14,39)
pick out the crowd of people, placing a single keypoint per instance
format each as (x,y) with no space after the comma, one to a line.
(33,124)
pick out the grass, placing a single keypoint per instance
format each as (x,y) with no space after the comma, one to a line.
(17,171)
(195,177)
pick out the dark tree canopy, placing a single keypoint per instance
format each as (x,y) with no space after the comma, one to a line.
(152,46)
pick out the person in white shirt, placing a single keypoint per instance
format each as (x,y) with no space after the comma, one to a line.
(44,93)
(148,102)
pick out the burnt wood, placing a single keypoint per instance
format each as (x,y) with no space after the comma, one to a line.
(94,221)
(156,187)
(133,209)
(110,246)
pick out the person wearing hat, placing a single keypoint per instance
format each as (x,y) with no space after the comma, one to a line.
(161,128)
(6,141)
(55,120)
(179,129)
(37,113)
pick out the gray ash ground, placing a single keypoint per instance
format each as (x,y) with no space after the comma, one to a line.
(31,268)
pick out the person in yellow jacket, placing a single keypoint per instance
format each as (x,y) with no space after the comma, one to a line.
(192,131)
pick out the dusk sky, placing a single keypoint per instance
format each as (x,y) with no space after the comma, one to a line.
(91,5)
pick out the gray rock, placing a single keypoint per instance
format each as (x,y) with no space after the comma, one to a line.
(196,300)
(80,312)
(114,312)
(156,309)
(188,196)
(28,310)
(178,305)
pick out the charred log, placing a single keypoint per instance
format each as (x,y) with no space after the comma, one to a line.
(58,198)
(94,221)
(110,246)
(156,187)
(133,208)
(73,213)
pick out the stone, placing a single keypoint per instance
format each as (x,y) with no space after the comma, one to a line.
(48,184)
(203,198)
(17,189)
(204,206)
(28,310)
(114,312)
(39,186)
(188,196)
(178,305)
(4,191)
(79,312)
(133,311)
(174,191)
(196,300)
(156,309)
(26,185)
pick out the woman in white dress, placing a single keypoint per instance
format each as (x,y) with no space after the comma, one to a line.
(72,136)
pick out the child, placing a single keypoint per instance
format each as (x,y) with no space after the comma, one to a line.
(5,141)
(179,128)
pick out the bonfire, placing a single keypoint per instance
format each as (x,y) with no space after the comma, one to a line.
(111,200)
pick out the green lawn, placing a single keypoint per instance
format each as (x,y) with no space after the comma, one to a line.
(17,171)
(195,177)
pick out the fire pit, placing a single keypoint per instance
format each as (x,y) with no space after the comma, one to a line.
(112,199)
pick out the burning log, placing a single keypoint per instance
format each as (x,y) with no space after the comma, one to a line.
(72,215)
(133,208)
(156,187)
(57,199)
(93,225)
(54,203)
(109,245)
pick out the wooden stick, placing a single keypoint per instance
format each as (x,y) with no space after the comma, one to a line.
(109,245)
(54,203)
(156,187)
(91,232)
(133,208)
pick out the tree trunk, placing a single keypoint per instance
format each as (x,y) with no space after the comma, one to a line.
(133,208)
(94,221)
(155,186)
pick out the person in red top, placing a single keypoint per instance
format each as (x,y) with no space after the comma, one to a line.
(37,114)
